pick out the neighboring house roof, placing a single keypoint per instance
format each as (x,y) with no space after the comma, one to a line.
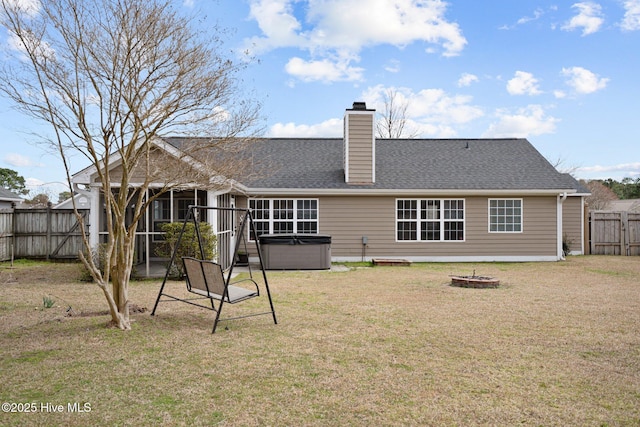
(626,205)
(405,164)
(82,202)
(9,196)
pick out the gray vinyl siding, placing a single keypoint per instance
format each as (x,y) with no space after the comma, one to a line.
(348,219)
(361,154)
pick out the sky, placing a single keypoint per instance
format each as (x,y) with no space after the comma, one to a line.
(563,74)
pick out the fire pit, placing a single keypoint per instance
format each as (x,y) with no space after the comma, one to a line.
(478,282)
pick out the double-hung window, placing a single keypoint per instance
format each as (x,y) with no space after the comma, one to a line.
(435,220)
(505,215)
(280,216)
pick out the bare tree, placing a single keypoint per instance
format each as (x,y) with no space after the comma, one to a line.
(601,195)
(392,121)
(110,77)
(561,166)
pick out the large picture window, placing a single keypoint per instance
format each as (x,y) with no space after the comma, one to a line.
(435,220)
(280,216)
(505,215)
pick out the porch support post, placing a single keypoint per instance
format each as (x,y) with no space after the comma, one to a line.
(212,200)
(94,217)
(147,241)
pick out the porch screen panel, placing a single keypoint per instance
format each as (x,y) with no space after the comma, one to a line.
(225,231)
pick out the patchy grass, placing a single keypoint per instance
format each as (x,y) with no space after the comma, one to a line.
(556,344)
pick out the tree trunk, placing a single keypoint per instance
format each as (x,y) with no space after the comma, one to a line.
(121,267)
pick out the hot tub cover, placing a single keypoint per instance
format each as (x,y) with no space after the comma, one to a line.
(295,239)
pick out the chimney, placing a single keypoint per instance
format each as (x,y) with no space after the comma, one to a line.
(359,145)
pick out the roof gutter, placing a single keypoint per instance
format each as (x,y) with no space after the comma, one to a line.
(400,192)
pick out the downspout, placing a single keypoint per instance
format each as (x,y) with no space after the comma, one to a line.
(561,198)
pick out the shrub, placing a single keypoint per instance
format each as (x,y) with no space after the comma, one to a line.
(567,242)
(99,256)
(189,245)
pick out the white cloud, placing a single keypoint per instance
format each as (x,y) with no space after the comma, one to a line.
(430,112)
(631,20)
(34,44)
(323,70)
(346,23)
(524,20)
(344,27)
(188,3)
(559,94)
(536,15)
(618,172)
(28,7)
(33,183)
(328,128)
(393,66)
(20,161)
(277,23)
(589,18)
(584,81)
(523,83)
(466,79)
(531,120)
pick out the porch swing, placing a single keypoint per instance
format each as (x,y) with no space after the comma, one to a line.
(208,280)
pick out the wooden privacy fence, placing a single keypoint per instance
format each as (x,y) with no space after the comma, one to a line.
(6,234)
(40,233)
(614,233)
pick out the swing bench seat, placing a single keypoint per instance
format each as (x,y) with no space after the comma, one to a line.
(205,278)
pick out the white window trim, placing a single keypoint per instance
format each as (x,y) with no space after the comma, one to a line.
(295,219)
(521,215)
(442,220)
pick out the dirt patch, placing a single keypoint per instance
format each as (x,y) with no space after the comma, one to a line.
(133,309)
(24,271)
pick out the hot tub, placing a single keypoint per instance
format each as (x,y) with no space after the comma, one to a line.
(296,251)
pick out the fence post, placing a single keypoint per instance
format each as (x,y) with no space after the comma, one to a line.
(592,233)
(624,234)
(48,240)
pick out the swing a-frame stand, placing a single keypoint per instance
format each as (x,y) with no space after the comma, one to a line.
(207,280)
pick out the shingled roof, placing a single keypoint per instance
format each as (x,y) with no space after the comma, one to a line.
(7,195)
(406,164)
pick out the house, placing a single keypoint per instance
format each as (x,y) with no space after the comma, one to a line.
(416,199)
(81,202)
(9,199)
